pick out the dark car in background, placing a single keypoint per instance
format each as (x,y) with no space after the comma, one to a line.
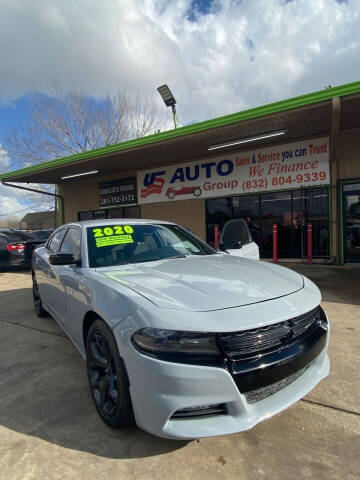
(42,234)
(16,248)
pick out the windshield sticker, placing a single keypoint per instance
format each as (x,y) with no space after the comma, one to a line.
(114,235)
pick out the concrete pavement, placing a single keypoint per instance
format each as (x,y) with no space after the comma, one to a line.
(49,428)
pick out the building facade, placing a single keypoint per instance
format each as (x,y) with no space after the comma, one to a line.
(291,163)
(39,221)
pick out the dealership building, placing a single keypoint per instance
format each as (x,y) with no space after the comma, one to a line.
(290,163)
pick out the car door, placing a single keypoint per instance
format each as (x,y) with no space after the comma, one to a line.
(69,294)
(47,275)
(236,239)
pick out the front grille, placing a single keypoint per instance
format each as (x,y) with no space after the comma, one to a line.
(264,339)
(264,392)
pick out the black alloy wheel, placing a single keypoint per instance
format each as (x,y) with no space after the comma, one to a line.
(108,381)
(40,312)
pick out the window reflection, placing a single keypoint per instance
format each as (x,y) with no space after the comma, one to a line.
(290,210)
(218,213)
(277,208)
(119,212)
(351,210)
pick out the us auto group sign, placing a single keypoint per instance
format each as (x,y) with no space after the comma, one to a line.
(282,167)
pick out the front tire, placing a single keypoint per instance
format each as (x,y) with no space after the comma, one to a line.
(38,307)
(108,381)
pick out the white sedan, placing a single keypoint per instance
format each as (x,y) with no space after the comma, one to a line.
(183,340)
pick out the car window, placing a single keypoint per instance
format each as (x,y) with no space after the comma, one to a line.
(71,243)
(118,244)
(56,240)
(3,240)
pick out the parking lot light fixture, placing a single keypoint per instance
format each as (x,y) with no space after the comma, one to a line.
(169,101)
(246,140)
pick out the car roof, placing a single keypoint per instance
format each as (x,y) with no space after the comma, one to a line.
(10,231)
(118,221)
(10,234)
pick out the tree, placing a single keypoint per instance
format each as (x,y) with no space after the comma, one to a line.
(10,222)
(65,122)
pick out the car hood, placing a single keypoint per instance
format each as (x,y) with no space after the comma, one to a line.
(204,283)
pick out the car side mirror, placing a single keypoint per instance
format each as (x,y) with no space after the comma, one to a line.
(62,259)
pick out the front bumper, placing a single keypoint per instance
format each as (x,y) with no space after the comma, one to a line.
(158,389)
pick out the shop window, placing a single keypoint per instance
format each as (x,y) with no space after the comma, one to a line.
(351,219)
(120,212)
(247,207)
(86,215)
(219,211)
(131,212)
(316,207)
(115,213)
(351,187)
(277,208)
(290,210)
(99,214)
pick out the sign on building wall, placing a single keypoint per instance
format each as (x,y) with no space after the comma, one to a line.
(118,192)
(281,167)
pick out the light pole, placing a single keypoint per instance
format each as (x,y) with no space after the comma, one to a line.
(169,101)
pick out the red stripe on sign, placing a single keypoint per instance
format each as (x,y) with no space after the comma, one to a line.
(154,188)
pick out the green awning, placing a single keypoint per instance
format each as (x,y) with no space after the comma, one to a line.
(302,116)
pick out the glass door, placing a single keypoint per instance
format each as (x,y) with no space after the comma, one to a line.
(276,208)
(351,218)
(316,212)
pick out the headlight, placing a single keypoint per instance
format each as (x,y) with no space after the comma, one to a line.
(176,345)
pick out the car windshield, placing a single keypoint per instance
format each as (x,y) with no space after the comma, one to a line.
(110,245)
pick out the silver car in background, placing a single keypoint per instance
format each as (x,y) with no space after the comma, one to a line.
(183,340)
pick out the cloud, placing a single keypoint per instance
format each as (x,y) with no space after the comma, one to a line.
(4,160)
(218,57)
(8,199)
(19,202)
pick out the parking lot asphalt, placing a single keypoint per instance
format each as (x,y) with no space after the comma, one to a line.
(49,428)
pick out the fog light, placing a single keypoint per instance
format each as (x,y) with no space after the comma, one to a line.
(217,409)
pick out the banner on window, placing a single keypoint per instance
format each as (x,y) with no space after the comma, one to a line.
(281,167)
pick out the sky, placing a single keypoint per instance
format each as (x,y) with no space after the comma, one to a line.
(217,56)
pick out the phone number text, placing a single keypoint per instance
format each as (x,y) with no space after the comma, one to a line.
(298,179)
